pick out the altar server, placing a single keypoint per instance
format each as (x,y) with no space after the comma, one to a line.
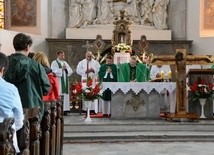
(62,70)
(85,68)
(160,70)
(107,73)
(133,71)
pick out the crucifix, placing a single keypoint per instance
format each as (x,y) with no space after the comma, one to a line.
(181,60)
(87,46)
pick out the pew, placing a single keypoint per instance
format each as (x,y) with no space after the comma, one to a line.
(45,127)
(29,135)
(59,128)
(6,137)
(42,136)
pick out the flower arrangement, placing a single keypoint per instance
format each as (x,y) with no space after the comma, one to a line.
(122,47)
(90,92)
(201,89)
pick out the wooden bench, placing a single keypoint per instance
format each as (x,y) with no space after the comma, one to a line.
(6,137)
(29,135)
(42,136)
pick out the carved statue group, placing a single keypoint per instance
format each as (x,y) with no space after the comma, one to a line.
(83,13)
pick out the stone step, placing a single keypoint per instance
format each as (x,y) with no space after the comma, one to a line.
(139,126)
(138,137)
(108,130)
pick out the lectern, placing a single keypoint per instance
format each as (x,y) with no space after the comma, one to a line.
(194,106)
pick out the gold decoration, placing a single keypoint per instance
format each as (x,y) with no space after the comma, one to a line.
(121,32)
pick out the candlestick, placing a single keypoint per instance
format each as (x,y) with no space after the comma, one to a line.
(170,74)
(143,56)
(162,74)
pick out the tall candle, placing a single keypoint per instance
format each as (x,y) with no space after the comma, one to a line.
(143,56)
(162,74)
(170,74)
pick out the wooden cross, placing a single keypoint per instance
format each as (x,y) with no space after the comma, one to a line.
(181,60)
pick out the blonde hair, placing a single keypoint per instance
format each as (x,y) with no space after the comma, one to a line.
(42,58)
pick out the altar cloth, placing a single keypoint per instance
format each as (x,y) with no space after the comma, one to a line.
(140,100)
(138,86)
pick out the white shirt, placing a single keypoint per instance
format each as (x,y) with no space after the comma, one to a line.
(155,70)
(11,106)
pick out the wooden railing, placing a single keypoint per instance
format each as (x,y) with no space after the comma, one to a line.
(38,136)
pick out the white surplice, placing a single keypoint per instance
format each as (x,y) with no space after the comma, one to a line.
(59,72)
(81,70)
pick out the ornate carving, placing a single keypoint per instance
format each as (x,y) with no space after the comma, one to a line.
(35,130)
(6,137)
(46,124)
(99,44)
(143,44)
(135,102)
(121,32)
(23,135)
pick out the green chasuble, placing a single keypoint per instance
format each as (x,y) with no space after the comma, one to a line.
(212,66)
(141,72)
(102,72)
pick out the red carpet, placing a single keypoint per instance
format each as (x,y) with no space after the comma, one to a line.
(98,115)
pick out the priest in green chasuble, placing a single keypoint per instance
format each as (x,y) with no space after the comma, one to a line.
(107,73)
(133,71)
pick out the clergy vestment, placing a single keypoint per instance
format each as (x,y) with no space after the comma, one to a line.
(157,70)
(81,70)
(140,72)
(165,69)
(63,80)
(105,76)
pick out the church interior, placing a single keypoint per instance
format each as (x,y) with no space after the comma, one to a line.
(178,35)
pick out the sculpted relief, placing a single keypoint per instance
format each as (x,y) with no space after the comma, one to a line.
(83,13)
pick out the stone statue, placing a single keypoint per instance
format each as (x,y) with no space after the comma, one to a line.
(132,10)
(88,9)
(146,12)
(159,14)
(105,12)
(119,0)
(81,13)
(75,15)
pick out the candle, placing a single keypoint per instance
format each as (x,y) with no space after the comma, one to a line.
(162,74)
(143,56)
(170,74)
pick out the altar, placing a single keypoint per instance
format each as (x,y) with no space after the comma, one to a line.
(139,100)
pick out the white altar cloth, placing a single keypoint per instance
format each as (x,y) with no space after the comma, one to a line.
(154,98)
(138,86)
